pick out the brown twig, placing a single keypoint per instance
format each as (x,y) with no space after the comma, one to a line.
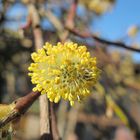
(21,106)
(71,121)
(55,132)
(132,85)
(71,14)
(62,33)
(102,121)
(45,129)
(101,40)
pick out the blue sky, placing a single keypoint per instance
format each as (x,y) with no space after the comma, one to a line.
(115,23)
(112,25)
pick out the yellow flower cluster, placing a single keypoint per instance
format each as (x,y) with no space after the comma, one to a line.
(4,111)
(63,71)
(133,31)
(98,6)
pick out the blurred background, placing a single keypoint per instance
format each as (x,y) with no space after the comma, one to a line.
(112,111)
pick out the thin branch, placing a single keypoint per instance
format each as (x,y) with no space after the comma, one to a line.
(21,106)
(101,40)
(55,132)
(71,14)
(132,85)
(45,129)
(60,30)
(101,120)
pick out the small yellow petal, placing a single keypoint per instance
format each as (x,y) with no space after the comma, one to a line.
(57,98)
(72,103)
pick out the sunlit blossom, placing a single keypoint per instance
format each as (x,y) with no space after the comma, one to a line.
(63,71)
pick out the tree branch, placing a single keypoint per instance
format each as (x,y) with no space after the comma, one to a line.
(55,132)
(101,40)
(71,14)
(21,106)
(45,129)
(102,120)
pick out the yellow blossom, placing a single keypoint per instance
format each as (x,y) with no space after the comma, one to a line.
(4,111)
(63,71)
(98,6)
(133,31)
